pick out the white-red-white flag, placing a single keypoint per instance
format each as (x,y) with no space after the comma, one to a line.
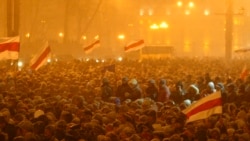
(205,107)
(9,48)
(92,46)
(244,73)
(40,59)
(133,46)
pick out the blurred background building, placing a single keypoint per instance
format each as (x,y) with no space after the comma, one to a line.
(186,27)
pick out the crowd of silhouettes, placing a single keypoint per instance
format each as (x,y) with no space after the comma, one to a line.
(137,101)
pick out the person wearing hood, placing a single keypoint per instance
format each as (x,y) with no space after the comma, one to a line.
(136,91)
(107,90)
(152,90)
(209,90)
(192,93)
(122,89)
(177,95)
(231,93)
(7,128)
(164,91)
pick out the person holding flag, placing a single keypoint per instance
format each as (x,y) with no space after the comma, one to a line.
(203,108)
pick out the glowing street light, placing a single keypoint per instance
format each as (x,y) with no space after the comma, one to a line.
(179,3)
(20,64)
(206,12)
(163,25)
(191,4)
(121,37)
(150,12)
(61,34)
(49,60)
(141,12)
(120,59)
(84,37)
(187,12)
(97,37)
(27,35)
(154,26)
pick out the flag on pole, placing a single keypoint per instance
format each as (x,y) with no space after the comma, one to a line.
(244,73)
(133,46)
(205,107)
(41,58)
(90,47)
(9,48)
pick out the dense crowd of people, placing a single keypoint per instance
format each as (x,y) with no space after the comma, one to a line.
(138,101)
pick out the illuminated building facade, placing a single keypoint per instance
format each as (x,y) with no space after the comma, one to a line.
(192,28)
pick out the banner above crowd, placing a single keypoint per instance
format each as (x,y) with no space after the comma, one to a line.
(9,48)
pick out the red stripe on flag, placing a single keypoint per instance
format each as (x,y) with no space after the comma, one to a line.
(205,106)
(244,73)
(138,43)
(11,46)
(44,54)
(91,45)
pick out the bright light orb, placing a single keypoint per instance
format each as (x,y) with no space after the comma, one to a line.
(191,4)
(187,12)
(154,26)
(179,3)
(27,35)
(163,25)
(121,36)
(60,34)
(84,37)
(97,37)
(20,64)
(120,59)
(206,12)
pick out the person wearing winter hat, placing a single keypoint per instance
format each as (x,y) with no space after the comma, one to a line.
(49,133)
(102,138)
(209,89)
(164,91)
(7,128)
(152,90)
(38,113)
(136,91)
(107,90)
(215,133)
(25,130)
(60,129)
(123,88)
(231,93)
(193,93)
(177,94)
(126,132)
